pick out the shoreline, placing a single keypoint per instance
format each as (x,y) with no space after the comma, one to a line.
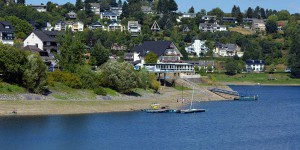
(168,98)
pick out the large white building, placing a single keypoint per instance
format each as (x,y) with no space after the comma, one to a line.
(44,40)
(197,47)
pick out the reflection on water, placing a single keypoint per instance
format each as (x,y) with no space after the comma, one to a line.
(272,122)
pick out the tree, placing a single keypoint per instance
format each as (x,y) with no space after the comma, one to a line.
(263,13)
(249,13)
(50,6)
(21,2)
(35,74)
(232,68)
(283,15)
(172,6)
(256,13)
(119,76)
(72,50)
(191,10)
(100,53)
(125,11)
(294,52)
(12,63)
(79,5)
(69,6)
(120,3)
(218,12)
(151,58)
(271,25)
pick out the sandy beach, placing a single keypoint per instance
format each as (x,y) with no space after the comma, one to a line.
(167,98)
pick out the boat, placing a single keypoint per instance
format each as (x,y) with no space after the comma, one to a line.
(191,110)
(246,98)
(156,110)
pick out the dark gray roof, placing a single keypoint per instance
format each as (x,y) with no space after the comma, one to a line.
(46,36)
(32,48)
(255,62)
(201,62)
(96,24)
(6,23)
(108,13)
(157,47)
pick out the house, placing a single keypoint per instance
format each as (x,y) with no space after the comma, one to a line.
(146,9)
(197,47)
(6,33)
(115,26)
(71,15)
(155,27)
(116,47)
(60,26)
(207,65)
(188,15)
(47,57)
(229,19)
(48,27)
(95,7)
(255,65)
(280,25)
(207,18)
(247,20)
(258,25)
(211,27)
(77,26)
(109,15)
(166,51)
(227,50)
(186,28)
(117,10)
(134,28)
(44,40)
(96,25)
(39,8)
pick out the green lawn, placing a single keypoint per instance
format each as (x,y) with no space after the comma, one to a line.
(6,88)
(262,78)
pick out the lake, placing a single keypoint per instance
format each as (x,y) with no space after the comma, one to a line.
(272,122)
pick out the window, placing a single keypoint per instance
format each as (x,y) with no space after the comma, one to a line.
(7,27)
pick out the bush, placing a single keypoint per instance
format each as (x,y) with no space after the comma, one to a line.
(66,78)
(100,91)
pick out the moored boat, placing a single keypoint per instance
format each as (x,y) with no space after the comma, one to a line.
(185,111)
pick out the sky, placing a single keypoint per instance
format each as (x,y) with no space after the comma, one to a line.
(293,6)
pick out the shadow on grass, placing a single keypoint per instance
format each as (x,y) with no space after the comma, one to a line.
(133,94)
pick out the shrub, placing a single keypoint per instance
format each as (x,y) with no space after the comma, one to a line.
(66,78)
(100,91)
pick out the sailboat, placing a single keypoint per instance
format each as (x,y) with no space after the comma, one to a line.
(192,110)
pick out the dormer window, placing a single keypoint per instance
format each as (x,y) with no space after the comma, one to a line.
(7,27)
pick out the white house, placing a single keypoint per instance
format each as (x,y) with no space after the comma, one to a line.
(255,65)
(40,8)
(115,26)
(109,15)
(117,10)
(258,25)
(197,47)
(44,40)
(60,26)
(212,27)
(188,15)
(209,18)
(6,33)
(134,28)
(96,25)
(95,7)
(77,26)
(228,50)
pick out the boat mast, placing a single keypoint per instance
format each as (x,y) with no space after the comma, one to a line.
(192,98)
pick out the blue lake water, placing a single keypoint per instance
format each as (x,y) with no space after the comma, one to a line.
(272,122)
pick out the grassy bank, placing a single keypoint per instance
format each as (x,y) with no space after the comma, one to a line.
(254,78)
